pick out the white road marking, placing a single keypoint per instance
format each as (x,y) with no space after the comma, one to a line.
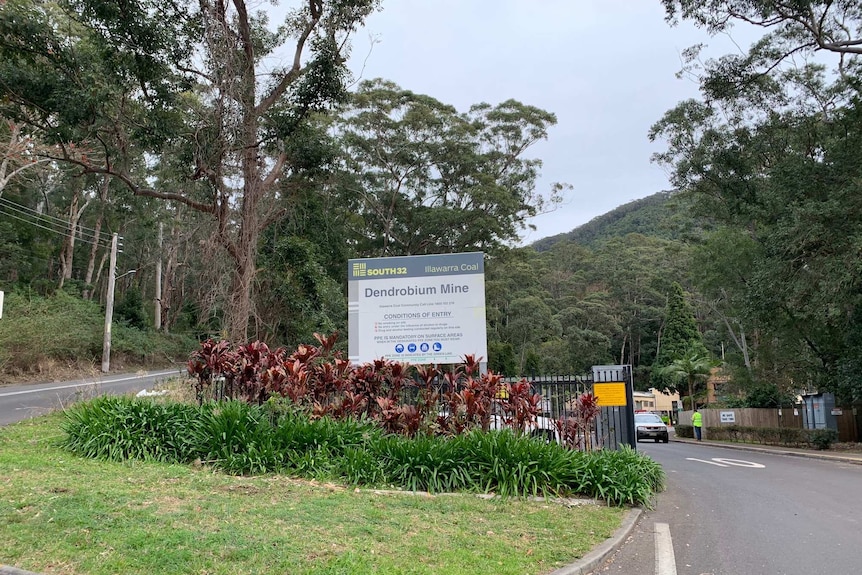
(724,462)
(739,463)
(665,561)
(705,461)
(85,384)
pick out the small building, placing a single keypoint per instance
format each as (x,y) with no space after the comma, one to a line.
(665,403)
(644,400)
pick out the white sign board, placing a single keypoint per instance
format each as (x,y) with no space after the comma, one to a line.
(417,309)
(1,305)
(728,417)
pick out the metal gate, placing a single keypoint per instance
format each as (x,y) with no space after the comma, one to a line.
(614,427)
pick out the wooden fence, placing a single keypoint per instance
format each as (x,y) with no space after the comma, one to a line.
(849,421)
(849,424)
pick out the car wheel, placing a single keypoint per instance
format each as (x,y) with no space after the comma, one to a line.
(665,440)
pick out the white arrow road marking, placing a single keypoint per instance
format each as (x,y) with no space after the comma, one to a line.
(724,462)
(739,463)
(705,461)
(665,561)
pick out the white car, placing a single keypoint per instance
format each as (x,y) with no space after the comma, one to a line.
(543,427)
(650,426)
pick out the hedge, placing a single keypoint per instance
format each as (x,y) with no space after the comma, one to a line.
(784,436)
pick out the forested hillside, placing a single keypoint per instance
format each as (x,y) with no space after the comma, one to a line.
(239,191)
(654,215)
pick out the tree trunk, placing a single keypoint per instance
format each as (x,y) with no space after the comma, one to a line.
(691,392)
(101,267)
(91,262)
(169,314)
(240,308)
(68,252)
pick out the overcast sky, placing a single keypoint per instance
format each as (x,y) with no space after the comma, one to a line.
(606,68)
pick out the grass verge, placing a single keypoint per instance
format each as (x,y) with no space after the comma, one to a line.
(68,515)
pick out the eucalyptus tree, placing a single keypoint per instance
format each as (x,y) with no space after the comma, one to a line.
(209,88)
(19,153)
(510,276)
(583,308)
(637,272)
(772,150)
(425,178)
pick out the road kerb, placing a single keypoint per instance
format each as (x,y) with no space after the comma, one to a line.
(592,560)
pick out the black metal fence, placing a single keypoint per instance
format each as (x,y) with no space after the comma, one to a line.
(611,429)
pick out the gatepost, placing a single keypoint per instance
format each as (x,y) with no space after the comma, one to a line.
(613,389)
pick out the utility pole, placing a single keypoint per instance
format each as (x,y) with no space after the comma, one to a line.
(157,321)
(109,306)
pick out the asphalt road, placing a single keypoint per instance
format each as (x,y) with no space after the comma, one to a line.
(729,512)
(19,402)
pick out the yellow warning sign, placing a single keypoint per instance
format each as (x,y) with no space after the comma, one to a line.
(608,394)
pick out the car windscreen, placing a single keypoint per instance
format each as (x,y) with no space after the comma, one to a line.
(647,418)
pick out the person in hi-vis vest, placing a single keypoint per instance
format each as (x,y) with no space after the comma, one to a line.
(697,423)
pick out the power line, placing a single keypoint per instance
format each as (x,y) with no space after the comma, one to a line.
(53,230)
(53,220)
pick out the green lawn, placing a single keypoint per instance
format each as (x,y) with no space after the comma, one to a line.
(63,514)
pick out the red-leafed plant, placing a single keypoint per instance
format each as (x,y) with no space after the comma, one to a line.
(468,399)
(404,399)
(576,431)
(252,360)
(520,405)
(212,360)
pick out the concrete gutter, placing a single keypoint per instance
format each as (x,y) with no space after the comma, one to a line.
(595,558)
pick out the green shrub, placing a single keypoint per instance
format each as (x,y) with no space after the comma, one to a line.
(60,328)
(66,329)
(425,463)
(242,438)
(786,436)
(683,430)
(238,438)
(822,438)
(120,428)
(130,309)
(149,347)
(791,436)
(621,477)
(295,431)
(324,447)
(511,464)
(360,466)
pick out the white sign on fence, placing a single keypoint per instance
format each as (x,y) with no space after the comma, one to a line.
(728,417)
(1,305)
(417,309)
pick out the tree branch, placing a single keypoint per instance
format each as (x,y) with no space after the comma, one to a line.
(88,168)
(296,70)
